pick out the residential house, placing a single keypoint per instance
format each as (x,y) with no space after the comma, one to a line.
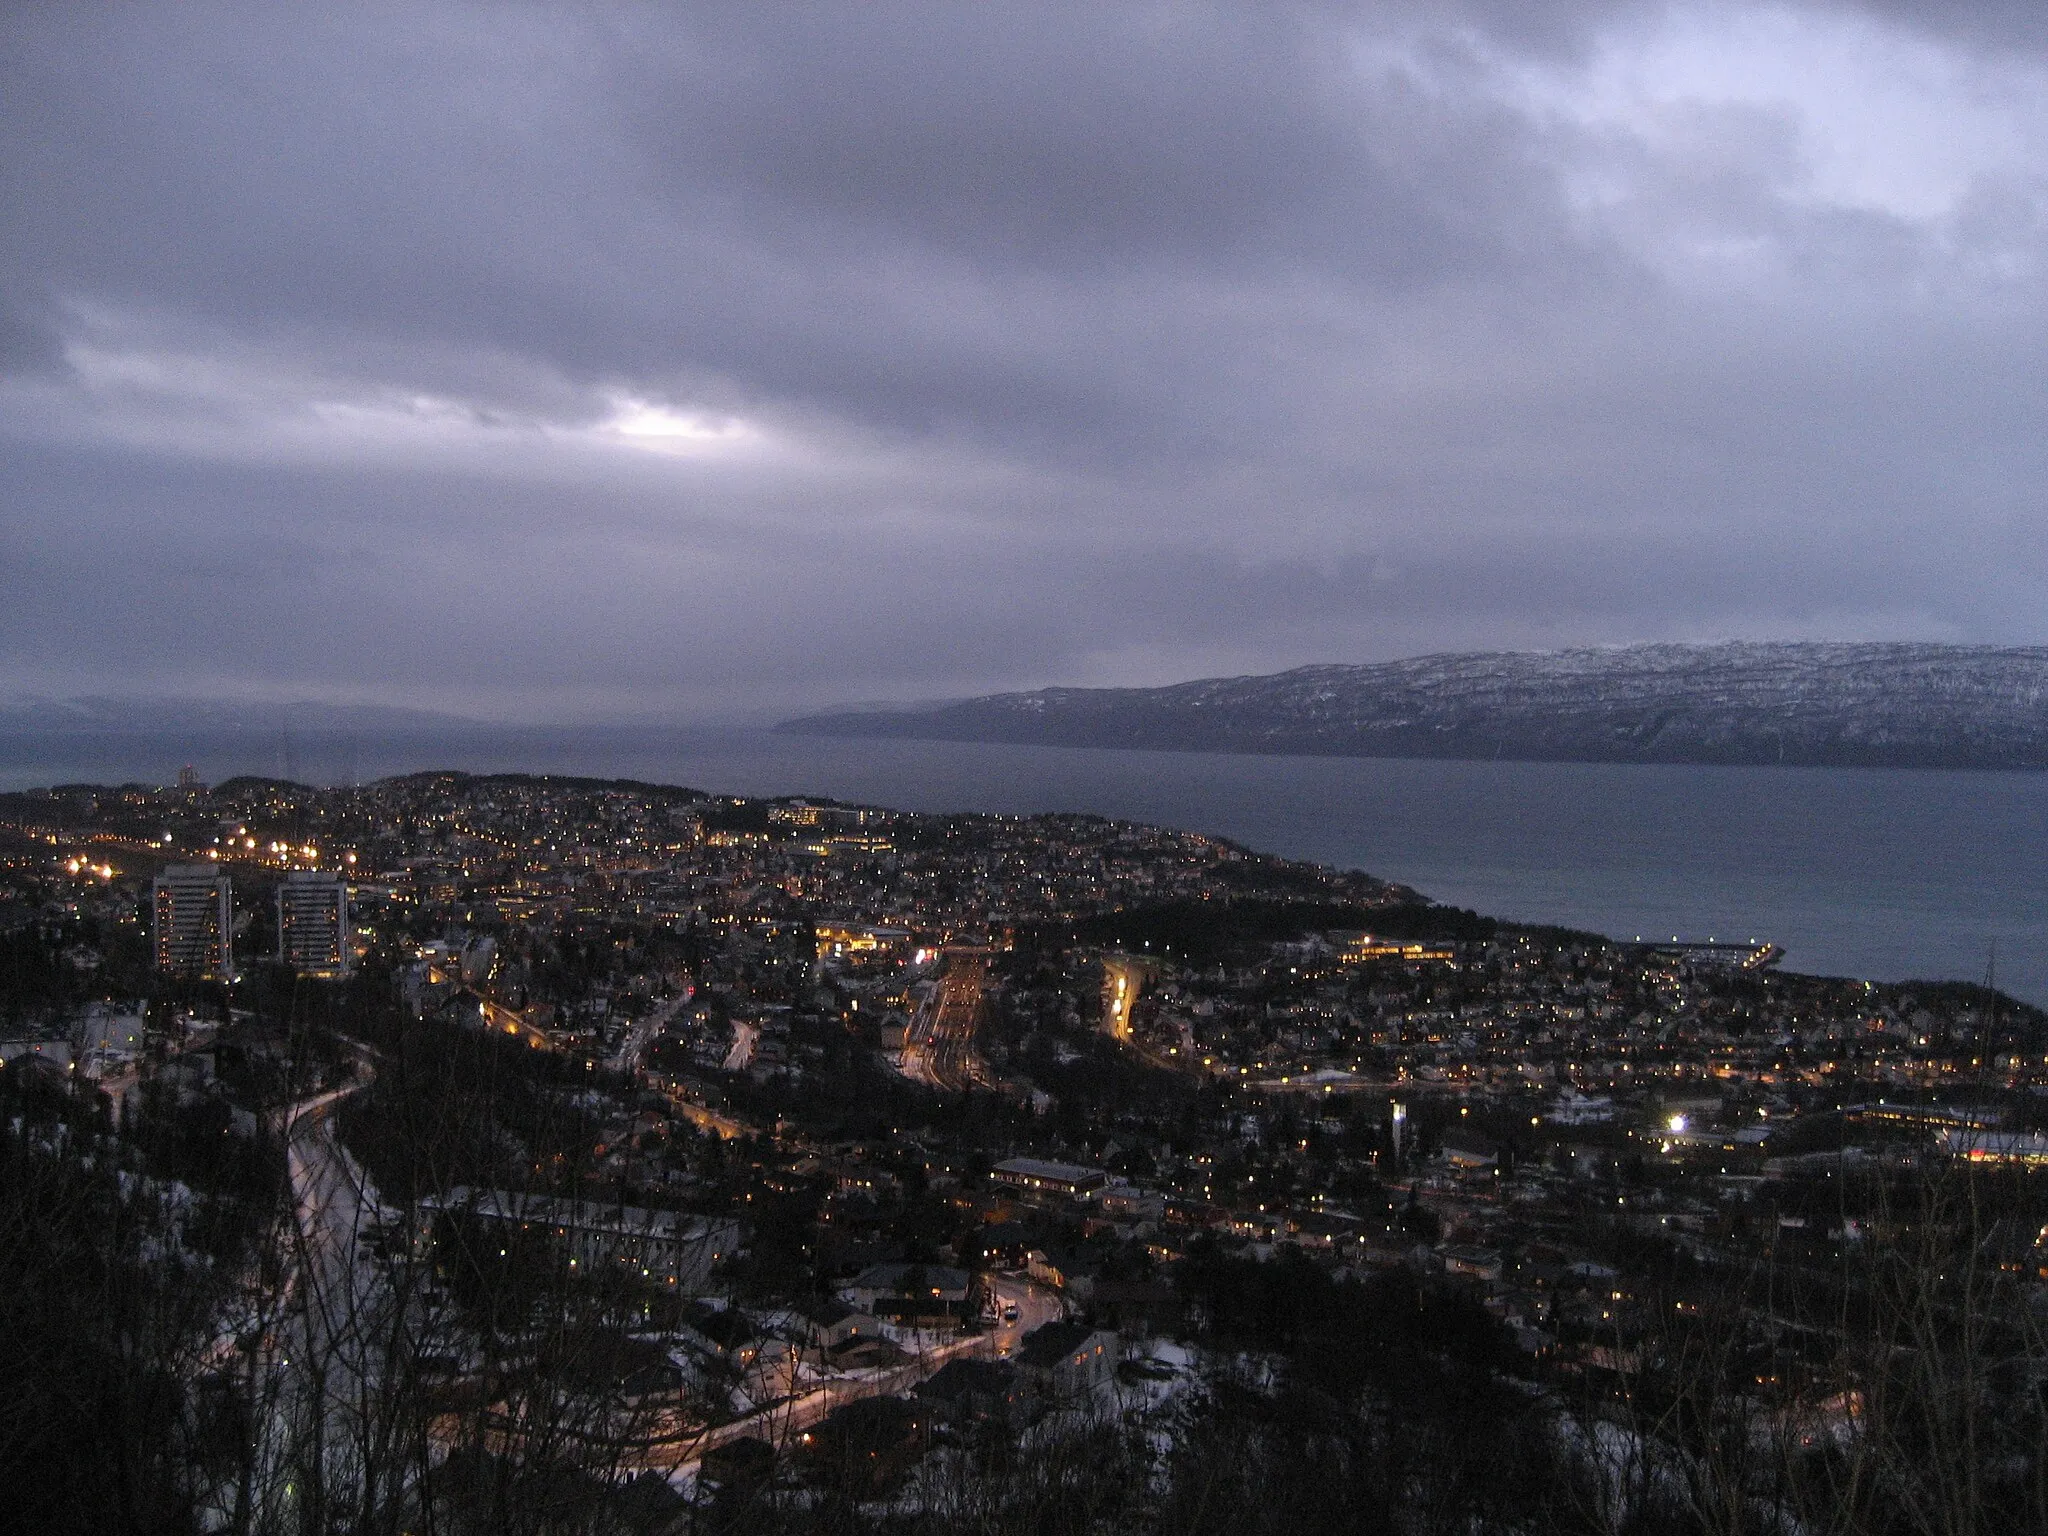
(1065,1362)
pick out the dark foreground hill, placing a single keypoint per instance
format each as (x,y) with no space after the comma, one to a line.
(1873,705)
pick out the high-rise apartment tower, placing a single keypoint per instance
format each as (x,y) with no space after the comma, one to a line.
(192,925)
(312,923)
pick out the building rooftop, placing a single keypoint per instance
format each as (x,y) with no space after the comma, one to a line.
(1050,1343)
(585,1215)
(1050,1172)
(893,1277)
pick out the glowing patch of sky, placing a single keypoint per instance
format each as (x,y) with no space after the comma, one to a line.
(663,429)
(1885,121)
(227,400)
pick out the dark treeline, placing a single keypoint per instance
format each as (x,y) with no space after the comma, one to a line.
(39,975)
(118,1255)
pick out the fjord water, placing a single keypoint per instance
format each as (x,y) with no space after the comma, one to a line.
(1885,874)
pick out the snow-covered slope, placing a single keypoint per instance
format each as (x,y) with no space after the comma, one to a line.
(1894,705)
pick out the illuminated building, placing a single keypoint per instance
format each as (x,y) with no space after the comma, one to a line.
(669,1246)
(192,921)
(312,923)
(1035,1176)
(1356,948)
(840,939)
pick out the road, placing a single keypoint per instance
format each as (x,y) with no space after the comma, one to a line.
(643,1033)
(322,1361)
(338,1433)
(745,1037)
(778,1423)
(1036,1306)
(705,1118)
(938,1048)
(646,1031)
(497,1016)
(1123,978)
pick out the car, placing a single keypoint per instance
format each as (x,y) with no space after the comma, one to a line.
(1009,1311)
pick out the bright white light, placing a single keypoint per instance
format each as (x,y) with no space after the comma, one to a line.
(1677,1124)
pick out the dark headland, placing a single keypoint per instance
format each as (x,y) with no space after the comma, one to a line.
(1810,703)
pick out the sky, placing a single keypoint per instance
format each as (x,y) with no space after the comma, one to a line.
(557,362)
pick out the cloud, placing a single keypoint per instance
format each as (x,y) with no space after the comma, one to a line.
(552,360)
(30,343)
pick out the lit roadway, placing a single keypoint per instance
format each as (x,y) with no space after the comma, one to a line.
(497,1016)
(938,1048)
(646,1031)
(1123,979)
(781,1422)
(344,1316)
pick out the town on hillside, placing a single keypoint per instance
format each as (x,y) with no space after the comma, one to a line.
(479,1152)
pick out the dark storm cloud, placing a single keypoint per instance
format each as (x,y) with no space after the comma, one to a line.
(550,360)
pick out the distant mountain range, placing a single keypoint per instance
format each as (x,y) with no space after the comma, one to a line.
(39,715)
(1875,705)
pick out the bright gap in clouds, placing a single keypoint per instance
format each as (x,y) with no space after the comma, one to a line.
(212,397)
(1880,120)
(663,429)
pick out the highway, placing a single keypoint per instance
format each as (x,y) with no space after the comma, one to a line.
(938,1047)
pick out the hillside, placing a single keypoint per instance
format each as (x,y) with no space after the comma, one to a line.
(1876,705)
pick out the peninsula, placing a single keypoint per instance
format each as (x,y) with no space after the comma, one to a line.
(1894,705)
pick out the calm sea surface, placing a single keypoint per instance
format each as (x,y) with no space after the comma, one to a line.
(1884,874)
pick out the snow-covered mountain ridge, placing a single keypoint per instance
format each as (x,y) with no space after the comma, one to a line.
(1879,705)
